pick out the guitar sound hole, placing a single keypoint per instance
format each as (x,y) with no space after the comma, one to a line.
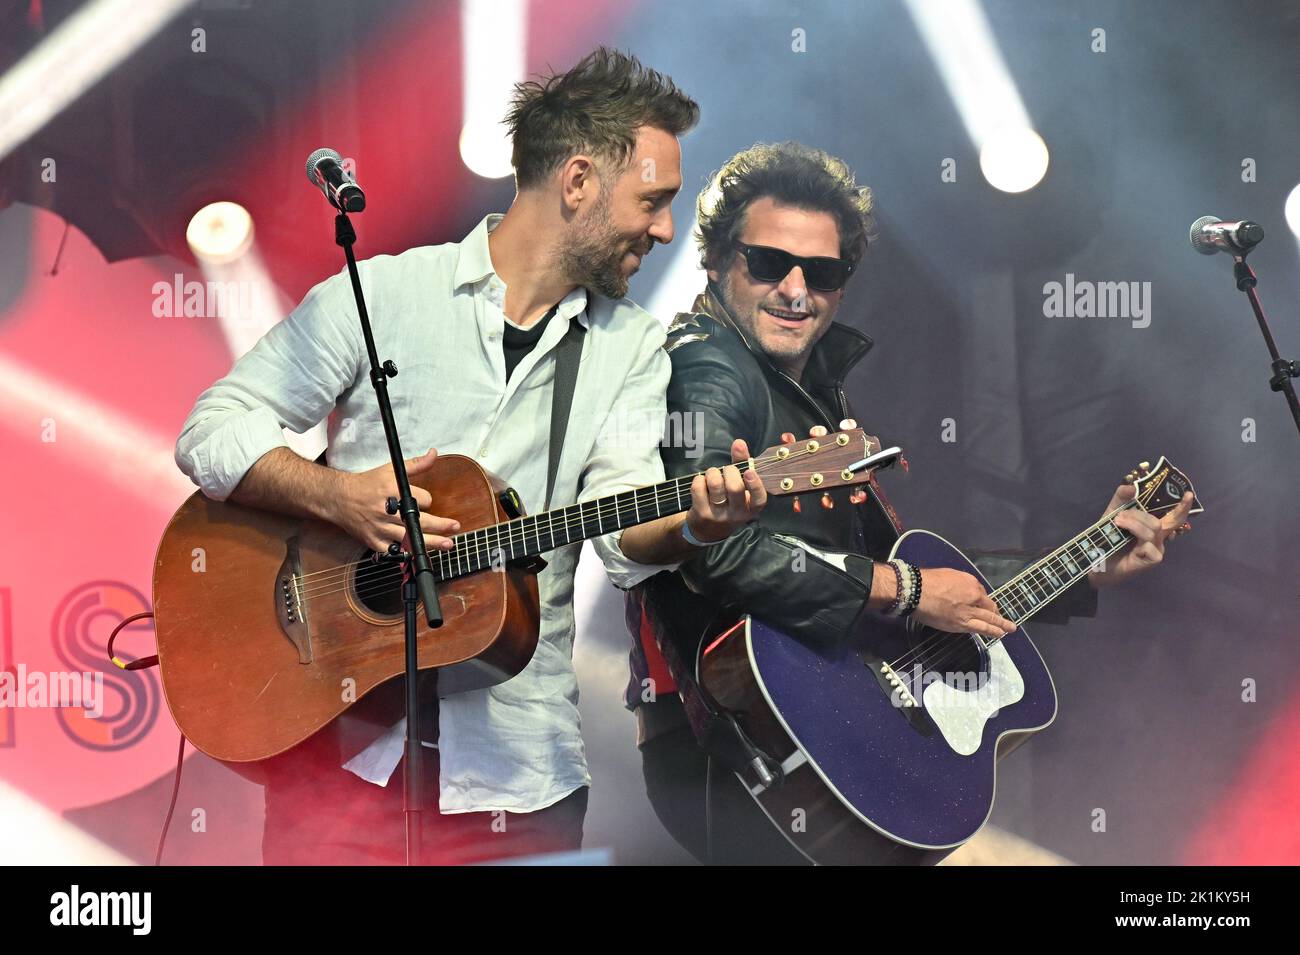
(957,659)
(377,586)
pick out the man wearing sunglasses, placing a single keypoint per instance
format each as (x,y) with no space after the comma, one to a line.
(759,356)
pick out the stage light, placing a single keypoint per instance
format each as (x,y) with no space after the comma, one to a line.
(1014,160)
(34,835)
(1292,211)
(220,232)
(1012,156)
(493,44)
(72,59)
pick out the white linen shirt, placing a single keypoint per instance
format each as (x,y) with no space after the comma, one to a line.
(437,312)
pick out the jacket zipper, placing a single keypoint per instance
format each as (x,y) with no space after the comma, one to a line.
(815,406)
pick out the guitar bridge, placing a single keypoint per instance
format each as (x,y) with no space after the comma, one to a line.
(903,694)
(291,602)
(896,688)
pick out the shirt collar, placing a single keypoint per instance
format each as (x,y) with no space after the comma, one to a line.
(474,264)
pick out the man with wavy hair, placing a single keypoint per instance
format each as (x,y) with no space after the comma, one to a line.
(782,228)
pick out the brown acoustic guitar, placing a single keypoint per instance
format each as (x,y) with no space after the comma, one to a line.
(269,626)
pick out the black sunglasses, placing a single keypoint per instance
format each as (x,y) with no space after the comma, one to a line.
(772,265)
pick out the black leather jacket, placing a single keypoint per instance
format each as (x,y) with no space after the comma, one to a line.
(732,390)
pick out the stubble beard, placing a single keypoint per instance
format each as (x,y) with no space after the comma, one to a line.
(592,256)
(784,351)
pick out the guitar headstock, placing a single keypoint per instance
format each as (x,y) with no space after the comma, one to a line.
(1160,488)
(817,464)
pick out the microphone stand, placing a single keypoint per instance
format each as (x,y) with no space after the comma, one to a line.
(417,578)
(1283,369)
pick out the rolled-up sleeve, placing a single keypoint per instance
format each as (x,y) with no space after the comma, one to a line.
(626,452)
(290,379)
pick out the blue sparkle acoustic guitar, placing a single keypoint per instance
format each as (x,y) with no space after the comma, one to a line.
(884,748)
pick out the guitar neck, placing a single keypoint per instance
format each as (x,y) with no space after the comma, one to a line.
(523,537)
(1042,582)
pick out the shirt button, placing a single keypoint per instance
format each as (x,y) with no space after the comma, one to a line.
(482,451)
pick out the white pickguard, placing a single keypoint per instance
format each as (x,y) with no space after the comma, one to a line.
(961,714)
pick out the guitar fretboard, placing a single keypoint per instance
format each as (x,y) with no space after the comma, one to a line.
(1040,583)
(523,537)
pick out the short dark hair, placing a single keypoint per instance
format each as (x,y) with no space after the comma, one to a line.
(792,174)
(596,107)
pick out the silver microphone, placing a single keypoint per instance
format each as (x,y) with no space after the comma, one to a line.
(1211,234)
(325,172)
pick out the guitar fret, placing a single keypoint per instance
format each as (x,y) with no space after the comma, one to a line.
(1039,583)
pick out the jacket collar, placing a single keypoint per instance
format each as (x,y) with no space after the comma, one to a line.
(838,350)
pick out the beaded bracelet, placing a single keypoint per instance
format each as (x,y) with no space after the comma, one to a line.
(909,588)
(914,600)
(892,609)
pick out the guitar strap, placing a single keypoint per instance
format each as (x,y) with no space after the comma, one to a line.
(567,355)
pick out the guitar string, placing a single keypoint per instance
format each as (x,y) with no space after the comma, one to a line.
(391,579)
(515,531)
(469,549)
(537,517)
(951,647)
(744,465)
(481,550)
(941,637)
(1015,604)
(473,550)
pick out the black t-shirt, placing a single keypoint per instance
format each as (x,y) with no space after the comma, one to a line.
(518,342)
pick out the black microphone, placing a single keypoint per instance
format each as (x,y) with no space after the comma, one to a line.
(325,171)
(1211,234)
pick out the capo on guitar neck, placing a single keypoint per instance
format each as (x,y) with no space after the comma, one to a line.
(513,508)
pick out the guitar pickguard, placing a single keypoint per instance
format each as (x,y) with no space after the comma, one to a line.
(960,713)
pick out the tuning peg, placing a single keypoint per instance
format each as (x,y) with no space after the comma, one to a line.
(1130,477)
(827,502)
(795,504)
(1145,466)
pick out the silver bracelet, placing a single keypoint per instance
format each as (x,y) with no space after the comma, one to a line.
(695,541)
